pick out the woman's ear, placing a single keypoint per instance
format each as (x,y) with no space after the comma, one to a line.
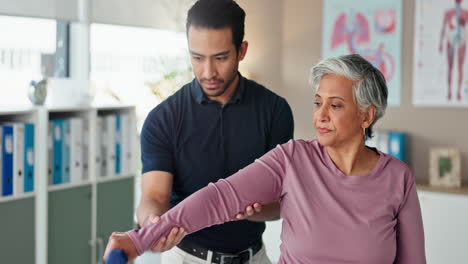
(369,116)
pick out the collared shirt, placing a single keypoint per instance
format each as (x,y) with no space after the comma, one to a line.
(200,141)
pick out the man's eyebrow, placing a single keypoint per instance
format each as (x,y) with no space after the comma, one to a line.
(222,53)
(195,53)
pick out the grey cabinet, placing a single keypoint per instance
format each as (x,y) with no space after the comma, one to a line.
(115,207)
(17,237)
(115,202)
(69,226)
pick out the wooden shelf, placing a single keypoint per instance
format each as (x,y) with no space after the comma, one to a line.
(424,186)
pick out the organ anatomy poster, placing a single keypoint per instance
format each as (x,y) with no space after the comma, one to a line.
(370,28)
(440,71)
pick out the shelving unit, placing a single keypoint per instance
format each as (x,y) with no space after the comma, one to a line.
(22,220)
(69,222)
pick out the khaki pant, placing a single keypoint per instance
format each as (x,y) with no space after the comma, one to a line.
(178,256)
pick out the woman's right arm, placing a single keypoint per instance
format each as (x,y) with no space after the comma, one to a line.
(218,202)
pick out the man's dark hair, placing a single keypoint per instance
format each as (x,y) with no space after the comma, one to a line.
(218,14)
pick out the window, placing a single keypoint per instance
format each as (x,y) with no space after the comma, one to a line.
(140,66)
(27,51)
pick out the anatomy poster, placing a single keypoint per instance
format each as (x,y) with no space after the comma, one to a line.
(440,71)
(370,28)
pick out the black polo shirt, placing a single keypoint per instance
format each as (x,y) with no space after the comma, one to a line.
(200,141)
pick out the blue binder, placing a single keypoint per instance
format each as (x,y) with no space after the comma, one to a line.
(28,157)
(57,146)
(66,151)
(118,137)
(1,160)
(397,145)
(7,156)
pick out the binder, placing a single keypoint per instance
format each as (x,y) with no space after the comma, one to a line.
(57,146)
(85,150)
(66,151)
(397,145)
(18,158)
(372,142)
(1,160)
(125,144)
(110,144)
(132,135)
(118,145)
(7,157)
(76,155)
(50,152)
(103,143)
(28,157)
(383,141)
(7,153)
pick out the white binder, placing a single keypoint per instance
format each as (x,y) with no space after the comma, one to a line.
(76,155)
(110,141)
(125,144)
(383,141)
(85,150)
(132,140)
(102,136)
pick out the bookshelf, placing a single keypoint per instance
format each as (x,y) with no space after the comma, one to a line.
(68,222)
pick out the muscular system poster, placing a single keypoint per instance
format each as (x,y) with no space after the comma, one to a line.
(440,73)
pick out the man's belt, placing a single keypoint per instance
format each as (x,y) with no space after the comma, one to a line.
(221,258)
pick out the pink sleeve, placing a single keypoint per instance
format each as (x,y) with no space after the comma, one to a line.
(219,202)
(410,232)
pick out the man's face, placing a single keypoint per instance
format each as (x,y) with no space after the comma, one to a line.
(214,58)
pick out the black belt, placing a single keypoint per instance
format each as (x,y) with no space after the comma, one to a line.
(221,258)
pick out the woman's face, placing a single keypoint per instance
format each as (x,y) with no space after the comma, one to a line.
(337,118)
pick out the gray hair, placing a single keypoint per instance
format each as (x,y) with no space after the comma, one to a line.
(370,88)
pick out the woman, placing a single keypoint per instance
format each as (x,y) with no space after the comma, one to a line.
(341,202)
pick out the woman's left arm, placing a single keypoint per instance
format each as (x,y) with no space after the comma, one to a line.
(410,232)
(217,203)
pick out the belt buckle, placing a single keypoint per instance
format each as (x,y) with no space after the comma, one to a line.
(231,257)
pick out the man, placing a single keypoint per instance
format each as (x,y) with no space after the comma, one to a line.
(210,129)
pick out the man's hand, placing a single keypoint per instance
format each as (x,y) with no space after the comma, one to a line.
(122,241)
(249,211)
(165,243)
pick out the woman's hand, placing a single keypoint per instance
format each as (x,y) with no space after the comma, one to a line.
(119,240)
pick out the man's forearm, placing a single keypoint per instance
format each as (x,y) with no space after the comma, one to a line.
(270,212)
(149,207)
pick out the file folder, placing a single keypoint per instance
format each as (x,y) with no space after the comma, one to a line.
(18,158)
(397,145)
(28,157)
(7,157)
(57,146)
(66,151)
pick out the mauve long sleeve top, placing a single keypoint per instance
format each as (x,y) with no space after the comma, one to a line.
(328,217)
